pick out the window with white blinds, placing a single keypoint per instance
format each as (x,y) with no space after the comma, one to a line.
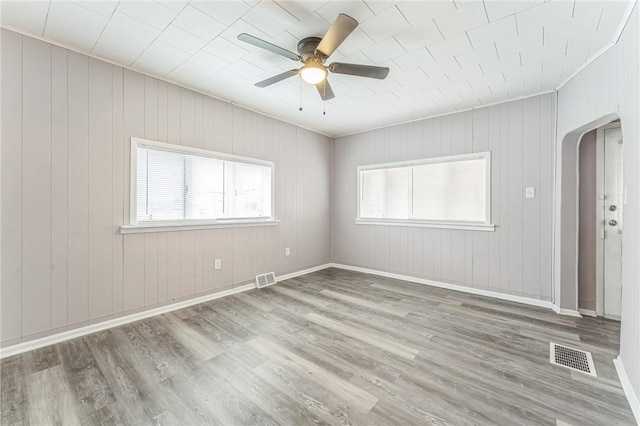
(178,184)
(454,190)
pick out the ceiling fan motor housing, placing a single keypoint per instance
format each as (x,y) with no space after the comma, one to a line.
(313,52)
(307,49)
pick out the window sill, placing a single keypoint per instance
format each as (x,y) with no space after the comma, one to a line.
(166,227)
(439,225)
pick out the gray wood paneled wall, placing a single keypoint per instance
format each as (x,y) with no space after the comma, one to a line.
(67,120)
(517,258)
(610,85)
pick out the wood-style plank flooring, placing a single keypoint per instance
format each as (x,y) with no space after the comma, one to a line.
(332,347)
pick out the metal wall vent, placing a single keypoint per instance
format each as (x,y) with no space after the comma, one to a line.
(573,359)
(265,279)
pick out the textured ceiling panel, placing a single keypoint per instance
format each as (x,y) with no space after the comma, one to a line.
(444,56)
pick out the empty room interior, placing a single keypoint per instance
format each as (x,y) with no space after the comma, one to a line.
(356,212)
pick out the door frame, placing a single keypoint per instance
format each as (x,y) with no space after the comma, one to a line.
(565,212)
(600,215)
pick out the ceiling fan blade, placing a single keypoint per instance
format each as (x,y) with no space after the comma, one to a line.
(247,38)
(277,78)
(325,90)
(339,31)
(359,70)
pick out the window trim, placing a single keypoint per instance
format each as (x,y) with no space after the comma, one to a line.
(172,225)
(475,226)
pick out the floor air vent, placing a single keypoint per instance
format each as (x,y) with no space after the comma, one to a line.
(571,358)
(265,279)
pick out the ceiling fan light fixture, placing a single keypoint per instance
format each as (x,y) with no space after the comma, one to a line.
(313,73)
(313,52)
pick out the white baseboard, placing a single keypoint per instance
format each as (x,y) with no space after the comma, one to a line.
(634,402)
(587,312)
(302,272)
(569,312)
(455,287)
(93,328)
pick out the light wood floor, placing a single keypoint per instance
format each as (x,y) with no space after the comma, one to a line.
(333,347)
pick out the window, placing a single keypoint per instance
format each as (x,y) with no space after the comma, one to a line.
(173,184)
(439,192)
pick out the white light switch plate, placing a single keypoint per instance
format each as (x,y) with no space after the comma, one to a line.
(530,192)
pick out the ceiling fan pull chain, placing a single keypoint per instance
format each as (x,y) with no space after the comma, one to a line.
(324,96)
(300,95)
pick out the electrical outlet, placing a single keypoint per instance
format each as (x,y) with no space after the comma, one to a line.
(530,192)
(217,264)
(287,252)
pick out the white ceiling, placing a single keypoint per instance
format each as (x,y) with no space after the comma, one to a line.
(444,55)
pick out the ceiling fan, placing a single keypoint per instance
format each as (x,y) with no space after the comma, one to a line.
(313,52)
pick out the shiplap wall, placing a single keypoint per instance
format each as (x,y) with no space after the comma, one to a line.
(515,259)
(67,120)
(610,85)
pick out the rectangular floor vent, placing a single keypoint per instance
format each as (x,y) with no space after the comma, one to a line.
(265,279)
(571,358)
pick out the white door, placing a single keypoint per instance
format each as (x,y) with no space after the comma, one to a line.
(613,201)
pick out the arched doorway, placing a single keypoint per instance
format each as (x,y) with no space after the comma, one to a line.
(566,231)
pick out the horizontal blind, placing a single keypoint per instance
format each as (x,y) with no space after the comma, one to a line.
(452,191)
(205,187)
(183,186)
(160,185)
(249,190)
(447,191)
(372,193)
(386,193)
